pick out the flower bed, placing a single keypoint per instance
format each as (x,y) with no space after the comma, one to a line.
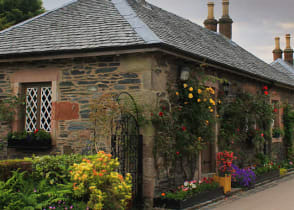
(189,194)
(244,178)
(39,139)
(194,200)
(267,175)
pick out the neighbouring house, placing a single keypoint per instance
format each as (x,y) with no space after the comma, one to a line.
(62,60)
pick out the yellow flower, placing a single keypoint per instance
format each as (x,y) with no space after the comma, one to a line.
(205,100)
(191,89)
(212,91)
(177,93)
(212,102)
(219,101)
(217,116)
(198,100)
(185,85)
(190,95)
(209,107)
(211,110)
(206,122)
(186,102)
(199,91)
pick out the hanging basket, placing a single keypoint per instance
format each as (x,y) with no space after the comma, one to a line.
(224,182)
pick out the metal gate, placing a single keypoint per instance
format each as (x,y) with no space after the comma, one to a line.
(126,145)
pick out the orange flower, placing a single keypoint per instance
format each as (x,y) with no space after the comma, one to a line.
(162,194)
(94,172)
(103,171)
(100,174)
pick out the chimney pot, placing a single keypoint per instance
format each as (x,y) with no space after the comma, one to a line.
(226,8)
(277,52)
(210,6)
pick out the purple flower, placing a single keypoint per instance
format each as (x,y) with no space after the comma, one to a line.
(243,177)
(35,190)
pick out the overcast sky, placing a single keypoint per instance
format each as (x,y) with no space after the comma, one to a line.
(256,22)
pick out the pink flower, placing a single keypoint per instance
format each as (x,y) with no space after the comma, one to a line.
(291,163)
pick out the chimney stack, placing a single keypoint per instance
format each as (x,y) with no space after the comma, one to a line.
(277,52)
(210,23)
(288,52)
(225,22)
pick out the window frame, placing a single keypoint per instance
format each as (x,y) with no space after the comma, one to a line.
(39,86)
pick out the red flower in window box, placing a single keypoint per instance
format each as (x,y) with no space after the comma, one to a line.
(275,110)
(265,87)
(266,93)
(178,153)
(36,131)
(160,114)
(262,135)
(184,128)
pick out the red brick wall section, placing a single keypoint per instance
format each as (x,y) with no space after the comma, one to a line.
(65,111)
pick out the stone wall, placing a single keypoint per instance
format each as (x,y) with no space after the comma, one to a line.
(75,84)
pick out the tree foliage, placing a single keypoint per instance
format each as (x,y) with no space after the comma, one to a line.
(16,11)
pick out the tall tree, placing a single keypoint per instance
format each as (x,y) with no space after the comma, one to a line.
(15,11)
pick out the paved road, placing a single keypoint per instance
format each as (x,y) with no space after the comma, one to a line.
(277,195)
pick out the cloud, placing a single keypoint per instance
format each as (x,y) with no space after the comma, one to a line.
(287,26)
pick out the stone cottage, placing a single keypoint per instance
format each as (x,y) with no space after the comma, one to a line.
(63,59)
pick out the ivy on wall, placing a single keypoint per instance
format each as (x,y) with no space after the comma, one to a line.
(288,121)
(245,122)
(185,125)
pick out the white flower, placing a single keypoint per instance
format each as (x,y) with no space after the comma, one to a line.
(186,183)
(194,186)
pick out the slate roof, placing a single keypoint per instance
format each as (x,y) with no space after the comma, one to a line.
(94,24)
(284,67)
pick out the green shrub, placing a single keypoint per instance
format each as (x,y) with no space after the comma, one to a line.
(7,166)
(54,168)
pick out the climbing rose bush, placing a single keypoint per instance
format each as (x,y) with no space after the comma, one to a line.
(98,182)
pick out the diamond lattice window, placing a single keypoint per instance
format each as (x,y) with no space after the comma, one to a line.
(38,107)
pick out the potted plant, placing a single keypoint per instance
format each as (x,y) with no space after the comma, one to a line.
(277,132)
(189,194)
(39,139)
(224,166)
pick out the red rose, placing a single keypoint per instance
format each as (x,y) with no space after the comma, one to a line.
(262,135)
(160,114)
(36,131)
(275,110)
(184,128)
(177,153)
(265,87)
(266,93)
